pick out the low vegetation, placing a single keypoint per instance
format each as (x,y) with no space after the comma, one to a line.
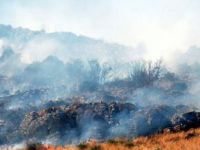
(189,140)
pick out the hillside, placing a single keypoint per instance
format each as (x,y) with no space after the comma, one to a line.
(99,75)
(65,98)
(38,45)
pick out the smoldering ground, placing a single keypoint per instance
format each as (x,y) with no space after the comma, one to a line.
(88,90)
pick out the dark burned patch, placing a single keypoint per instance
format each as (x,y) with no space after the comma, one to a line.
(82,146)
(191,134)
(96,147)
(184,122)
(100,120)
(95,117)
(129,144)
(33,146)
(112,141)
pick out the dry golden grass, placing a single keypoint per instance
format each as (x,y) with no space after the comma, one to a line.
(189,140)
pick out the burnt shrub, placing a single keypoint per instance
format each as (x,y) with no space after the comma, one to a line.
(144,73)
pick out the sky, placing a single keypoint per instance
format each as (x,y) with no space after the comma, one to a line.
(163,27)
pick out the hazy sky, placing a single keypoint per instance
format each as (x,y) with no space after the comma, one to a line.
(162,26)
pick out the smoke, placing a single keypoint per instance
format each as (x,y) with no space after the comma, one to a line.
(38,49)
(35,46)
(170,28)
(59,77)
(50,80)
(1,46)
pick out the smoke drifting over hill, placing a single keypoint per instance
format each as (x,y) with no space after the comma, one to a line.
(63,88)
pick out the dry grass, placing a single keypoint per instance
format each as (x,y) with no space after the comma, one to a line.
(189,140)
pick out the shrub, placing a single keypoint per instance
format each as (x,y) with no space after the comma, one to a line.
(144,73)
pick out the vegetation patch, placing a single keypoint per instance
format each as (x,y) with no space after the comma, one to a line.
(96,147)
(129,144)
(111,141)
(33,146)
(82,146)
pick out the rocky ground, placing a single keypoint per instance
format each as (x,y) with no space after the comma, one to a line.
(78,122)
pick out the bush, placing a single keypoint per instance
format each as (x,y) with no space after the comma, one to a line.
(144,73)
